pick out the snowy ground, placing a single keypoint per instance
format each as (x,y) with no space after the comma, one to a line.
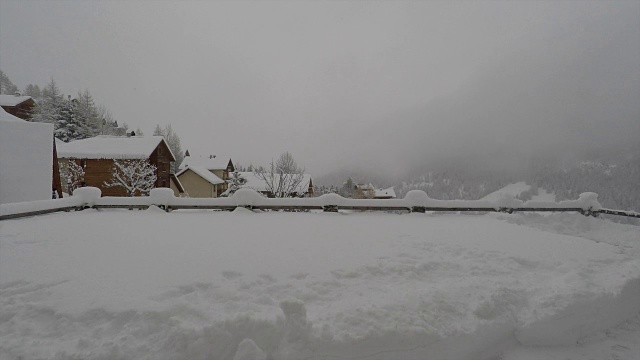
(215,285)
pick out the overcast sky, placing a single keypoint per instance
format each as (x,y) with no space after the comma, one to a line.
(383,85)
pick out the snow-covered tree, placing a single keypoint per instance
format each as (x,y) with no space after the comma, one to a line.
(136,176)
(283,177)
(158,131)
(347,188)
(72,175)
(48,106)
(67,125)
(6,86)
(86,113)
(33,91)
(235,182)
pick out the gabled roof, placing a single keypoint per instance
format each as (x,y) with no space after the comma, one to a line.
(257,184)
(203,173)
(213,162)
(177,183)
(112,147)
(12,100)
(385,193)
(5,116)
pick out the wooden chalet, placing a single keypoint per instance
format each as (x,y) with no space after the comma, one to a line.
(97,155)
(17,105)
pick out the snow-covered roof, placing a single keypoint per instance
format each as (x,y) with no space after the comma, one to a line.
(365,187)
(257,184)
(212,162)
(177,182)
(12,100)
(203,173)
(111,147)
(5,116)
(385,193)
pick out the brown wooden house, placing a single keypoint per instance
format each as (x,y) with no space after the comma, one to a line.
(17,105)
(97,155)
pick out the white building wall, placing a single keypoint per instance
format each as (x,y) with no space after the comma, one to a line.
(26,161)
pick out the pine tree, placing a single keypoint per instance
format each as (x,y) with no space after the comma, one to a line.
(67,125)
(86,113)
(236,181)
(6,86)
(158,131)
(33,91)
(48,107)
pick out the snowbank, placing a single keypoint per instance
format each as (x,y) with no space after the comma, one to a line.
(26,159)
(190,285)
(165,198)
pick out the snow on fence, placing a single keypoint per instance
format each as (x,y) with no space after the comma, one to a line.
(415,201)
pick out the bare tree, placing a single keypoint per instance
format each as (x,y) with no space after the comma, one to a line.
(283,177)
(135,176)
(72,175)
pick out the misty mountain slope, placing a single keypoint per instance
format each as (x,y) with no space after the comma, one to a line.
(614,178)
(615,183)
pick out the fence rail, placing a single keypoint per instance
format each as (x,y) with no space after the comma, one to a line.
(415,201)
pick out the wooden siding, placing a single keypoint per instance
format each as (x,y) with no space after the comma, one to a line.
(22,110)
(55,183)
(97,171)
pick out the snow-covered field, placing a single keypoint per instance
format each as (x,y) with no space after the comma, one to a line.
(241,285)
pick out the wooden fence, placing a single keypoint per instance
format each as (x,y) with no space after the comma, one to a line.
(418,202)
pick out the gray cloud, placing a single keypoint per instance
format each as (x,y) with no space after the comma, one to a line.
(379,85)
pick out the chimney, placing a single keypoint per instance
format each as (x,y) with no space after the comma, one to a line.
(17,93)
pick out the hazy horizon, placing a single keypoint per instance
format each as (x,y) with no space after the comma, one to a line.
(397,86)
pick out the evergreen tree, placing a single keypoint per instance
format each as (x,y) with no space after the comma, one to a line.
(6,86)
(48,106)
(236,181)
(67,125)
(87,113)
(33,91)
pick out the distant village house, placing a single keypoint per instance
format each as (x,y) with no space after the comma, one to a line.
(205,176)
(368,191)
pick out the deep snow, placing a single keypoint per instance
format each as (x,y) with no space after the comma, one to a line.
(244,285)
